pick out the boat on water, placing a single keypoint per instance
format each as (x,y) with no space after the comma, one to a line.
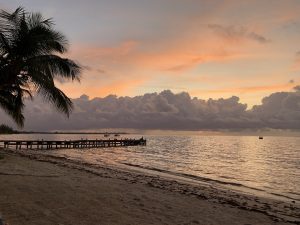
(106,135)
(260,137)
(117,135)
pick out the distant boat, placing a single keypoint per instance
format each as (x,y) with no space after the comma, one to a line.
(117,135)
(260,137)
(106,135)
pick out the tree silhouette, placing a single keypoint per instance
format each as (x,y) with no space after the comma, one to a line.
(30,61)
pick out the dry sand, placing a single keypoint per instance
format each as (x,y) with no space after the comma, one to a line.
(37,189)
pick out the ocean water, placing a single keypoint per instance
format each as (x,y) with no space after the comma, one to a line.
(268,167)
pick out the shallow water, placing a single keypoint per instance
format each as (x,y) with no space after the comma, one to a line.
(270,167)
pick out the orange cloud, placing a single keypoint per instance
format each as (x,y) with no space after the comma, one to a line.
(243,90)
(91,55)
(180,61)
(179,55)
(119,87)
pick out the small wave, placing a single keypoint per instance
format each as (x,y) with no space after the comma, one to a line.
(226,177)
(194,177)
(209,180)
(294,193)
(285,196)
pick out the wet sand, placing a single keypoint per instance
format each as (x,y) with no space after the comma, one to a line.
(38,189)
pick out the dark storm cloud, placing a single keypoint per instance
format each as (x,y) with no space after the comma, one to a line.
(235,33)
(167,110)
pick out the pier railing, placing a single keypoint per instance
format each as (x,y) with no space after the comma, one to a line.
(77,144)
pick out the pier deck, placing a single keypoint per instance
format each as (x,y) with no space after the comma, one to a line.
(77,144)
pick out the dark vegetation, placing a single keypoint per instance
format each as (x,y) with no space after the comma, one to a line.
(4,129)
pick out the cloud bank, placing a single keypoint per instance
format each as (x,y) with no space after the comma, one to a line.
(166,110)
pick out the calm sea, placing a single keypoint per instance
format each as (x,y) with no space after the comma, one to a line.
(268,167)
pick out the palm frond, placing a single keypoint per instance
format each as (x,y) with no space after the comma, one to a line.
(13,106)
(46,88)
(62,102)
(55,66)
(10,22)
(4,45)
(36,19)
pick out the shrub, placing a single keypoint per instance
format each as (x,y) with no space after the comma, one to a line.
(4,129)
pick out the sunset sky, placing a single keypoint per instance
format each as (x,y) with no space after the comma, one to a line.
(208,48)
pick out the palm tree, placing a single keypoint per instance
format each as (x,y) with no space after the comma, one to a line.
(30,61)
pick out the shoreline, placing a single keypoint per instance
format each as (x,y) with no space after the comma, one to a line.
(238,187)
(277,211)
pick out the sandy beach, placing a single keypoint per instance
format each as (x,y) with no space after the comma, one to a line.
(38,189)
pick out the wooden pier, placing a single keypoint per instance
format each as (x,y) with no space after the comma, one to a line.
(76,144)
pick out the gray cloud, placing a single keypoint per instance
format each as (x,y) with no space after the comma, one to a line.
(236,33)
(279,110)
(297,88)
(167,110)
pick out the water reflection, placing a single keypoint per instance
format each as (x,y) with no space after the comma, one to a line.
(271,164)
